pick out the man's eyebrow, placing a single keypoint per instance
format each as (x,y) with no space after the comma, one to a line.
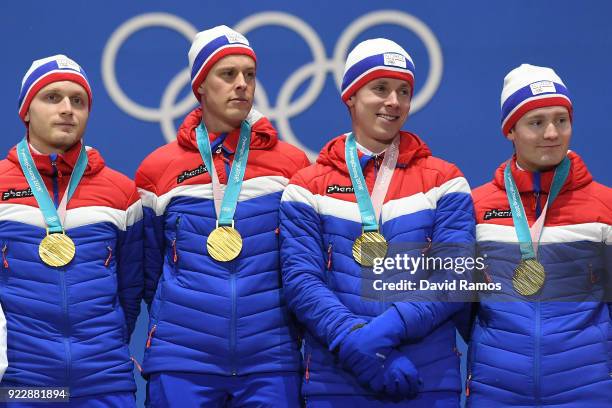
(59,90)
(542,115)
(536,116)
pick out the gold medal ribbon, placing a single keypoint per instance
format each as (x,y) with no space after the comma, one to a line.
(371,244)
(529,275)
(56,248)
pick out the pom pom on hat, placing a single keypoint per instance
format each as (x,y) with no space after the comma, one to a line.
(210,46)
(530,87)
(372,59)
(44,71)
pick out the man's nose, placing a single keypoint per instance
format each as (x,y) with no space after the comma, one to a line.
(392,99)
(551,131)
(65,106)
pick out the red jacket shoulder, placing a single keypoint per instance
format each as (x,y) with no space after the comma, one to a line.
(155,165)
(295,157)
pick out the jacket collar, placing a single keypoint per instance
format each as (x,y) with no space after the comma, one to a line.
(64,163)
(411,148)
(263,134)
(526,181)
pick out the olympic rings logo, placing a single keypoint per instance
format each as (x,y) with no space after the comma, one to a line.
(285,108)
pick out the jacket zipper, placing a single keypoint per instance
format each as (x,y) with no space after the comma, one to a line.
(232,336)
(226,162)
(328,263)
(593,278)
(536,365)
(62,275)
(307,371)
(537,191)
(176,231)
(470,363)
(136,364)
(109,257)
(486,275)
(467,385)
(66,339)
(150,336)
(174,253)
(538,311)
(53,158)
(5,263)
(377,161)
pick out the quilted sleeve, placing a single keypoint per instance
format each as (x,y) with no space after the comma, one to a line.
(153,235)
(453,236)
(129,262)
(3,358)
(608,266)
(303,265)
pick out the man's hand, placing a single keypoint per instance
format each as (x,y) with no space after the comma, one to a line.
(398,378)
(368,343)
(375,363)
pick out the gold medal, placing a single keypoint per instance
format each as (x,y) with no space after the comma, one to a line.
(528,277)
(56,249)
(369,246)
(224,243)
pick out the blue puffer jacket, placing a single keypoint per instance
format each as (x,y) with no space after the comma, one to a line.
(70,326)
(224,318)
(428,200)
(555,349)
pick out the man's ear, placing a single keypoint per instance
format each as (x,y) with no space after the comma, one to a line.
(510,136)
(27,117)
(201,88)
(350,102)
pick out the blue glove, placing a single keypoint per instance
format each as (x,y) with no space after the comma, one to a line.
(388,329)
(400,376)
(385,371)
(358,355)
(366,346)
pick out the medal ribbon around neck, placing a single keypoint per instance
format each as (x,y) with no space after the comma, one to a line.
(225,243)
(371,244)
(56,249)
(529,238)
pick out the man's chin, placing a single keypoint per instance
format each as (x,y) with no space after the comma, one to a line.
(65,141)
(386,135)
(238,115)
(553,159)
(548,163)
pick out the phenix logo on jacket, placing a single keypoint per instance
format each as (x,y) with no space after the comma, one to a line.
(207,316)
(534,352)
(428,200)
(70,326)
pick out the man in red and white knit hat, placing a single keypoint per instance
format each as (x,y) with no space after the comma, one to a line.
(545,227)
(379,185)
(220,333)
(71,242)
